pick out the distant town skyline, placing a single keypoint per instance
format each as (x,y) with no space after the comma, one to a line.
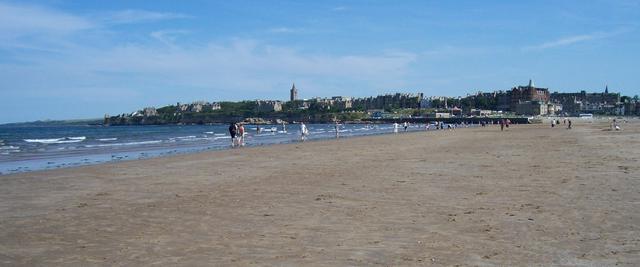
(82,59)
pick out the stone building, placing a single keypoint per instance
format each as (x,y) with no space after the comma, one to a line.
(554,108)
(528,93)
(427,102)
(197,106)
(389,101)
(531,108)
(149,112)
(293,93)
(341,102)
(268,106)
(503,101)
(582,101)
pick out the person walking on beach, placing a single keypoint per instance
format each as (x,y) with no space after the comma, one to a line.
(406,125)
(241,134)
(337,129)
(501,125)
(569,124)
(233,130)
(395,127)
(553,123)
(303,131)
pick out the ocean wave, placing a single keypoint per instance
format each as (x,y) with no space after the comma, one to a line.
(208,132)
(6,150)
(107,139)
(126,144)
(63,140)
(186,137)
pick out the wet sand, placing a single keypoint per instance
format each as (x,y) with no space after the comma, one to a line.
(479,197)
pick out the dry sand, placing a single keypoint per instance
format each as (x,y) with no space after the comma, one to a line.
(527,196)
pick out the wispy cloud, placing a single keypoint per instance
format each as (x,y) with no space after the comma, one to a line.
(340,8)
(569,40)
(447,51)
(41,29)
(225,70)
(168,37)
(139,16)
(16,19)
(282,30)
(242,65)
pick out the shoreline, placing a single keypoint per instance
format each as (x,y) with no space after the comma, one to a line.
(70,160)
(531,195)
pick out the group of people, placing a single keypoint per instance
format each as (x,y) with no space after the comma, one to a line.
(504,124)
(396,126)
(237,133)
(565,121)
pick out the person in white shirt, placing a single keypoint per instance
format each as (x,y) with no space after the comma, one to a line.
(303,131)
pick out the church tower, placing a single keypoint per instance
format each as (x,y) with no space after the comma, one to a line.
(294,93)
(606,89)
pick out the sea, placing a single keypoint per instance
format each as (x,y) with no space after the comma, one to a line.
(33,148)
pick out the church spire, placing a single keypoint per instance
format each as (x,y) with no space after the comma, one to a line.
(606,89)
(530,83)
(294,93)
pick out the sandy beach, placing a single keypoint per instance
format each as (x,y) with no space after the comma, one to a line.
(531,195)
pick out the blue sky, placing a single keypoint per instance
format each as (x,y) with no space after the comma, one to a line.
(82,59)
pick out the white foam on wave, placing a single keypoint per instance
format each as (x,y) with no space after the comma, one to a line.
(63,140)
(186,137)
(107,139)
(208,132)
(220,134)
(6,150)
(265,134)
(127,144)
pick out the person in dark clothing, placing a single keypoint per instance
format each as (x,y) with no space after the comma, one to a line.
(233,130)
